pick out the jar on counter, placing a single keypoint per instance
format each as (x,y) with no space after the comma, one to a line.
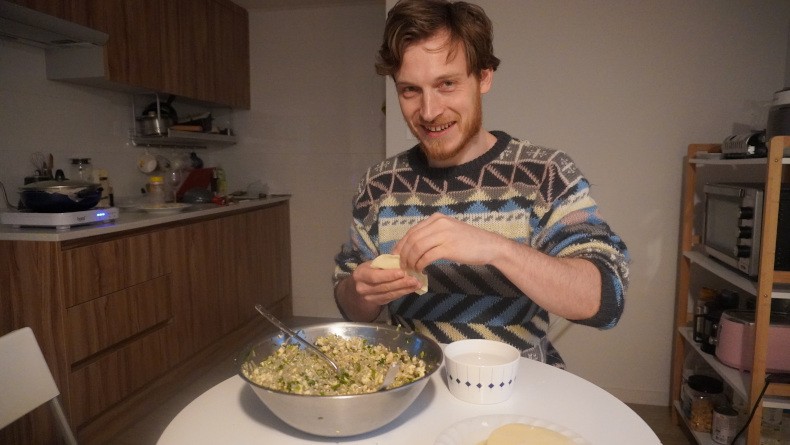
(156,190)
(706,295)
(81,169)
(724,425)
(699,395)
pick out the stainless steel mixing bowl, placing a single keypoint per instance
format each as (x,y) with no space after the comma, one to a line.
(349,415)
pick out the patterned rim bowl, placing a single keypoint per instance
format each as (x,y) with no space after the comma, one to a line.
(481,371)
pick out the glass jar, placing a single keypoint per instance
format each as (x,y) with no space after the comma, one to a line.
(81,169)
(699,395)
(156,190)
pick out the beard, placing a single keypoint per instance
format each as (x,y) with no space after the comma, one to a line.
(442,150)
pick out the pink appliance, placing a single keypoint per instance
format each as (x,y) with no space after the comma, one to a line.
(735,346)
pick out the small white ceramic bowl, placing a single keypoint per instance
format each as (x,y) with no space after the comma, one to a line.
(481,371)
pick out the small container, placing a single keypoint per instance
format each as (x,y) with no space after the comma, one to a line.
(724,425)
(156,190)
(706,295)
(700,393)
(481,371)
(81,169)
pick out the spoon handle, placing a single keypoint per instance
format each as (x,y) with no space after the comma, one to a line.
(287,331)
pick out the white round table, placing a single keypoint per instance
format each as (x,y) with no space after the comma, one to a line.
(231,413)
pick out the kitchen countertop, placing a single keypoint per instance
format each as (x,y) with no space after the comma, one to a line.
(130,220)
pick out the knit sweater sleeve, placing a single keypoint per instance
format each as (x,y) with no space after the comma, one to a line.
(361,245)
(568,224)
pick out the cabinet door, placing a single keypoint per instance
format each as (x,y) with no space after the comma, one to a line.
(134,49)
(57,8)
(256,264)
(97,385)
(223,267)
(193,252)
(239,84)
(99,269)
(99,325)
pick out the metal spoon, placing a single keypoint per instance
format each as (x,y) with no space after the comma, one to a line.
(287,331)
(390,376)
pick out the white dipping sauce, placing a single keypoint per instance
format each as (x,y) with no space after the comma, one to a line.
(481,359)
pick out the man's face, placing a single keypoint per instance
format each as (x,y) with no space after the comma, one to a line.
(440,102)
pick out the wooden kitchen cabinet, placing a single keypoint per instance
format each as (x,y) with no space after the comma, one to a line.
(227,266)
(769,284)
(195,49)
(122,317)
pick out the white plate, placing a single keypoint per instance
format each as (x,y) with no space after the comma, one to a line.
(164,209)
(475,430)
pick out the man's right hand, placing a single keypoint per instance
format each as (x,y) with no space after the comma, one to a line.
(366,290)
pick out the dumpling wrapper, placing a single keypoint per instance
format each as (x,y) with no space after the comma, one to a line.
(521,434)
(388,261)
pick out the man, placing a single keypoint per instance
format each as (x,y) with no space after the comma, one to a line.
(505,231)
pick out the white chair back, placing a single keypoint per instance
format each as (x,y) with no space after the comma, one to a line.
(26,381)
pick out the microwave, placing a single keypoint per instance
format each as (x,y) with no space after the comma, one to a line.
(733,223)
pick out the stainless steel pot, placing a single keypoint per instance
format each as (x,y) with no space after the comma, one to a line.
(153,125)
(59,196)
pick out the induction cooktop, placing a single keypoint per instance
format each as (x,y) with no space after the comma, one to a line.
(58,221)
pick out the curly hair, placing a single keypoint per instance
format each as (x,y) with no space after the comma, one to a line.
(411,21)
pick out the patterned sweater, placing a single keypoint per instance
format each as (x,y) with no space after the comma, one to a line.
(530,194)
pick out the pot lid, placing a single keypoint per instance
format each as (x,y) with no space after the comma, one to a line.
(56,185)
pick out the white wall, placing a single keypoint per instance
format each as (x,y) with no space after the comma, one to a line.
(624,87)
(315,125)
(62,119)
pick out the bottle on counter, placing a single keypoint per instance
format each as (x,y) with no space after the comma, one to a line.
(81,169)
(222,183)
(100,177)
(156,190)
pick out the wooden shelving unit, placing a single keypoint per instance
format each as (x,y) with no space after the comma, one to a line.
(770,284)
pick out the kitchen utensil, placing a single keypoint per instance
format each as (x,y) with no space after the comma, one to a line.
(146,163)
(57,196)
(39,163)
(162,110)
(390,376)
(347,415)
(153,125)
(285,330)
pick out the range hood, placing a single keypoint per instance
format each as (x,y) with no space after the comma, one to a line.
(31,27)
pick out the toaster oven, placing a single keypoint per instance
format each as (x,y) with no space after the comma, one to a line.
(734,221)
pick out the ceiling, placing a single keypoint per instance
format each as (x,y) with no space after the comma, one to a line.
(296,4)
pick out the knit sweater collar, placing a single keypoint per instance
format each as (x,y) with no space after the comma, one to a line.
(419,163)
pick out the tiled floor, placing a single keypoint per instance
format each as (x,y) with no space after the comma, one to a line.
(148,429)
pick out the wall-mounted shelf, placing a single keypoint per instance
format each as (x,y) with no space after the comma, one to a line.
(217,132)
(178,139)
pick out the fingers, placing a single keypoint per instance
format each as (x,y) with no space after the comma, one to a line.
(425,242)
(381,286)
